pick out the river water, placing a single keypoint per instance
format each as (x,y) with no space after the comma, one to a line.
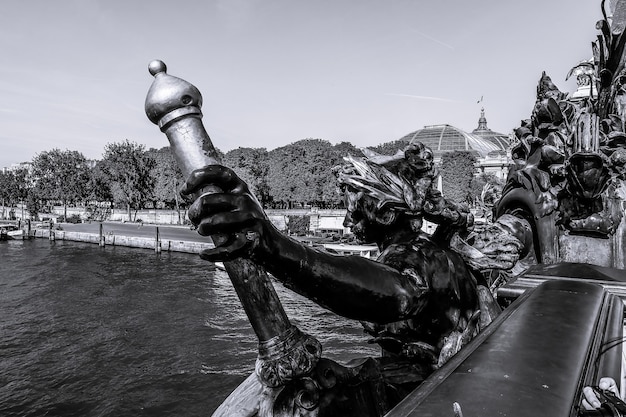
(90,331)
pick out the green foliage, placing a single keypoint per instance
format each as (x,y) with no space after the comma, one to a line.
(21,184)
(389,148)
(7,188)
(457,171)
(15,187)
(293,175)
(251,165)
(74,218)
(298,225)
(129,169)
(33,206)
(61,175)
(302,172)
(346,148)
(485,189)
(168,179)
(99,185)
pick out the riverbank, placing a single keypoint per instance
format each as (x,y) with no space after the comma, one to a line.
(159,238)
(154,237)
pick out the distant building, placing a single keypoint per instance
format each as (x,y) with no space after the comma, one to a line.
(490,148)
(15,167)
(89,163)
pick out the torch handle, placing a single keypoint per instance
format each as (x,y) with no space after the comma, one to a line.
(192,149)
(284,352)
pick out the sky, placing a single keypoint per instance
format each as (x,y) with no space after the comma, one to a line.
(74,73)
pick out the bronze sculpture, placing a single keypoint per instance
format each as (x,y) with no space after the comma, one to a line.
(567,181)
(426,296)
(429,301)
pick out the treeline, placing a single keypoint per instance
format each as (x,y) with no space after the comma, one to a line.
(129,176)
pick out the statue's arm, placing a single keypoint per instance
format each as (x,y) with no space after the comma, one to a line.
(351,286)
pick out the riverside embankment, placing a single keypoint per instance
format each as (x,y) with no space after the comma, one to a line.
(164,238)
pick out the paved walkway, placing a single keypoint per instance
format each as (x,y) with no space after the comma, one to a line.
(170,232)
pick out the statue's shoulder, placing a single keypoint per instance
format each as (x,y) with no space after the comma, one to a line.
(401,249)
(417,252)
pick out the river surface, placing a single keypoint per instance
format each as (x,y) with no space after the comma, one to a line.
(114,331)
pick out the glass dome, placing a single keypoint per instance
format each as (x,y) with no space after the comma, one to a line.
(446,138)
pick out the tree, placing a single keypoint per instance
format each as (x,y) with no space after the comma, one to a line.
(99,185)
(390,148)
(302,172)
(346,148)
(168,179)
(129,168)
(457,171)
(33,205)
(60,175)
(486,188)
(5,193)
(100,191)
(16,187)
(251,165)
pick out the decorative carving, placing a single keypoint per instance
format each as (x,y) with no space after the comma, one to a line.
(287,356)
(330,390)
(569,169)
(572,160)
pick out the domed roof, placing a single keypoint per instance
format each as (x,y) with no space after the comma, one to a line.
(447,138)
(500,139)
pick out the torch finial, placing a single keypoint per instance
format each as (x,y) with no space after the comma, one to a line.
(156,67)
(170,97)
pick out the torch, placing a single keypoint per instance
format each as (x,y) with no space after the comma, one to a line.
(284,351)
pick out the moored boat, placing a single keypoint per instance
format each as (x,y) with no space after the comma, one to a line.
(11,232)
(366,251)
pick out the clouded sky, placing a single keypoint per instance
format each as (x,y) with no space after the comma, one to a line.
(73,74)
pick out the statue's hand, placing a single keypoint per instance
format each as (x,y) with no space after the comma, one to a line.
(590,399)
(492,248)
(227,211)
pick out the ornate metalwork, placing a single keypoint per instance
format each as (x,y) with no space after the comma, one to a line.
(287,356)
(568,180)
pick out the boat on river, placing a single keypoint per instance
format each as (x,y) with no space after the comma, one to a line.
(9,231)
(366,251)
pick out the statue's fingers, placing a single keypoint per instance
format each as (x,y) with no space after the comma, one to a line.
(608,384)
(590,400)
(227,222)
(210,204)
(495,248)
(587,406)
(234,248)
(511,259)
(216,175)
(490,249)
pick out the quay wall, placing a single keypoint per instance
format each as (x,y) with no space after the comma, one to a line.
(320,218)
(164,245)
